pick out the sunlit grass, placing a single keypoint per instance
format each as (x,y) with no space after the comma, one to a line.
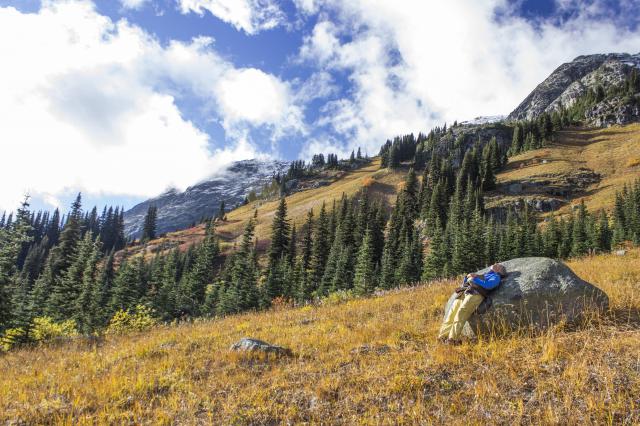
(185,373)
(611,152)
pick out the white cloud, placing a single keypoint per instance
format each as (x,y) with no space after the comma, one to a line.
(90,104)
(133,4)
(414,64)
(251,16)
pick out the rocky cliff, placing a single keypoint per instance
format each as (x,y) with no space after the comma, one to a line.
(571,81)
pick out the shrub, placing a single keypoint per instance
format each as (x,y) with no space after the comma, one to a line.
(125,321)
(45,328)
(12,337)
(338,297)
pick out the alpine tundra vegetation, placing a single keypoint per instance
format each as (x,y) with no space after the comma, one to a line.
(292,227)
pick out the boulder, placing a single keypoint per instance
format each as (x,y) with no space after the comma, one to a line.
(537,292)
(254,345)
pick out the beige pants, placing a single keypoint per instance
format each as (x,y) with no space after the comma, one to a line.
(458,315)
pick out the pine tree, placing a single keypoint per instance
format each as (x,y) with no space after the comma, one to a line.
(517,142)
(127,284)
(149,228)
(11,242)
(86,311)
(436,257)
(221,211)
(320,248)
(280,234)
(192,295)
(364,281)
(103,289)
(62,303)
(244,271)
(580,244)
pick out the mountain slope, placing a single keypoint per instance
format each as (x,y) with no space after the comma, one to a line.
(178,210)
(372,361)
(381,184)
(589,164)
(581,164)
(574,79)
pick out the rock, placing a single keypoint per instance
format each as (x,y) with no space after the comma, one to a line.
(254,345)
(291,184)
(537,292)
(371,349)
(621,252)
(515,188)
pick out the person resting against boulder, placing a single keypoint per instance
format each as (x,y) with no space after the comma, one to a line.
(473,291)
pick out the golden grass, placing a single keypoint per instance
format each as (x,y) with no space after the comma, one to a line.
(381,184)
(611,152)
(185,374)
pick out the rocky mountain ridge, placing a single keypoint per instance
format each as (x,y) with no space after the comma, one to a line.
(572,80)
(180,209)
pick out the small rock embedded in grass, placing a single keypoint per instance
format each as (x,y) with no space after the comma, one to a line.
(254,345)
(375,349)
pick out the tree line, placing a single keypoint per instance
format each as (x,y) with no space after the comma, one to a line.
(438,227)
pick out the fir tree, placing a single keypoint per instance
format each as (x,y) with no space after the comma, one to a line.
(580,243)
(364,281)
(149,228)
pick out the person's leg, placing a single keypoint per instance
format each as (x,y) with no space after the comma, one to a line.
(466,309)
(448,320)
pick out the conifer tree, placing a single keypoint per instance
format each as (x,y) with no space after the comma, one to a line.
(221,211)
(280,234)
(149,229)
(127,284)
(192,295)
(364,281)
(580,243)
(103,289)
(437,256)
(86,311)
(244,272)
(320,248)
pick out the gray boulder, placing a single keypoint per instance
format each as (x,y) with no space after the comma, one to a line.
(254,345)
(537,292)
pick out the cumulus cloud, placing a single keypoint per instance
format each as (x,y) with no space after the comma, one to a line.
(91,104)
(250,16)
(414,64)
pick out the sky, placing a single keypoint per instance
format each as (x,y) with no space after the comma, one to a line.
(123,99)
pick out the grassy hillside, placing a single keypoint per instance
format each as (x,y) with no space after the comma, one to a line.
(370,361)
(612,154)
(576,156)
(381,184)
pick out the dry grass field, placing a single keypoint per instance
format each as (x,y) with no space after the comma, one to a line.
(612,153)
(363,361)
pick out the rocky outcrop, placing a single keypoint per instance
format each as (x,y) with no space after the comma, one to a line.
(258,346)
(570,81)
(538,292)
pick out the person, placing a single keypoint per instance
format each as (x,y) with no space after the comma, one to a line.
(472,292)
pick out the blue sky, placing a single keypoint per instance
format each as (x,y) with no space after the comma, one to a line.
(121,99)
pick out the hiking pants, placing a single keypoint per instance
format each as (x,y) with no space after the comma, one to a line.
(460,312)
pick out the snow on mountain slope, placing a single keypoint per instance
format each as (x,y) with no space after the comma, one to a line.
(178,210)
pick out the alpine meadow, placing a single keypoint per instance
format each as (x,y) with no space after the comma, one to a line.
(269,212)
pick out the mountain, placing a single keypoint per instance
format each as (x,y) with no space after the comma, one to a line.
(179,210)
(573,80)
